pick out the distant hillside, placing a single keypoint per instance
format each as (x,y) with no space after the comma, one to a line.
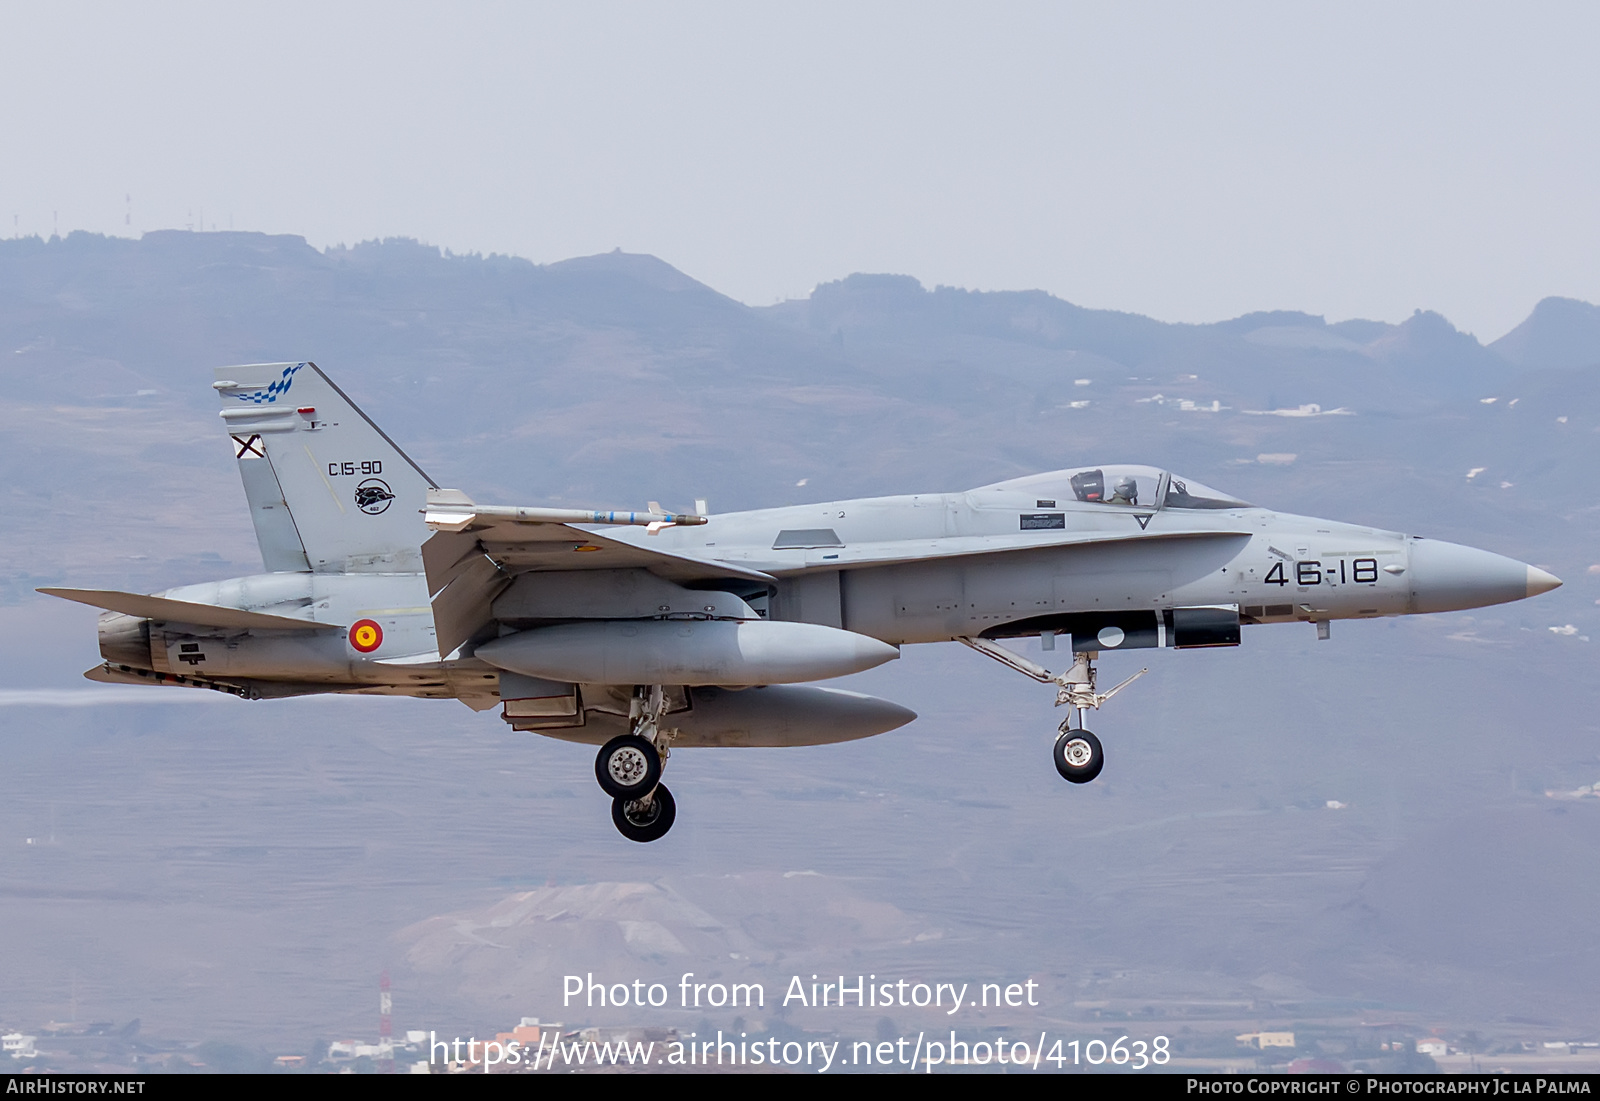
(227,296)
(1423,358)
(1359,824)
(1559,333)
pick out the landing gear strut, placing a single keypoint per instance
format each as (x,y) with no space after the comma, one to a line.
(629,766)
(1078,756)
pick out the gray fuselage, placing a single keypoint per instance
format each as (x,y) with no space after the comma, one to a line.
(902,570)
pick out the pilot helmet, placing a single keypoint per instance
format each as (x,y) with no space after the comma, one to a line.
(1126,487)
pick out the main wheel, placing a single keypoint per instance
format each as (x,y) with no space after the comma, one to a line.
(627,767)
(1078,756)
(646,823)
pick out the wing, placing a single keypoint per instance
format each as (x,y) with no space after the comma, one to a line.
(524,547)
(473,559)
(184,611)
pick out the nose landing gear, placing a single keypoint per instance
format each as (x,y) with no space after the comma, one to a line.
(1078,755)
(629,766)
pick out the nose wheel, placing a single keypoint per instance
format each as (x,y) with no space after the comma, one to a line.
(1077,753)
(628,768)
(1078,756)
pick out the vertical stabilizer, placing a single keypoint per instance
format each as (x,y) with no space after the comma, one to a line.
(328,491)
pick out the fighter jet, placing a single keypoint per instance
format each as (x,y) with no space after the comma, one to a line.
(645,632)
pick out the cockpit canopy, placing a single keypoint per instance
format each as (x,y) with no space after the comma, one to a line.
(1122,486)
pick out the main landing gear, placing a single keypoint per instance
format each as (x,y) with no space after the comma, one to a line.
(629,769)
(1077,755)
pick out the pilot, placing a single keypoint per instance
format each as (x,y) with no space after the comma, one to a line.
(1125,492)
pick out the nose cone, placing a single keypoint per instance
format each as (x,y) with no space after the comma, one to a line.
(1447,577)
(1541,582)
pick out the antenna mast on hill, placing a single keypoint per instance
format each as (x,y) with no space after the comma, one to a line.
(385,1027)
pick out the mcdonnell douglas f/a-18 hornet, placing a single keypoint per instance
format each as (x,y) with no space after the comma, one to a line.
(646,632)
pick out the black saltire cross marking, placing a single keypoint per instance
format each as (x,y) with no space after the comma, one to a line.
(249,448)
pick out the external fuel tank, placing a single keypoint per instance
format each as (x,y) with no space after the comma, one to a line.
(693,652)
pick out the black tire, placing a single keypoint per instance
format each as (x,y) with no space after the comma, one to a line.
(653,824)
(1078,756)
(627,767)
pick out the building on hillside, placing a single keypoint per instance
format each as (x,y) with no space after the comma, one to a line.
(18,1046)
(1267,1039)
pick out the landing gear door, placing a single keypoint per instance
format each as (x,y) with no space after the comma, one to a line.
(532,703)
(1132,630)
(1194,628)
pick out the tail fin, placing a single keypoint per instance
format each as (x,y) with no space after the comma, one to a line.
(328,491)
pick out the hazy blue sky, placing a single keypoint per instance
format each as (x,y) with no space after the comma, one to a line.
(1188,161)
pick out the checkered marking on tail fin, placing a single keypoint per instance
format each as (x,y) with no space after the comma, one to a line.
(274,391)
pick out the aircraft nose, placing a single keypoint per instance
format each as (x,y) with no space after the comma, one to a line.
(1448,577)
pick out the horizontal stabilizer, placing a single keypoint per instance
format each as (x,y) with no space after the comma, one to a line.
(107,673)
(244,689)
(183,611)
